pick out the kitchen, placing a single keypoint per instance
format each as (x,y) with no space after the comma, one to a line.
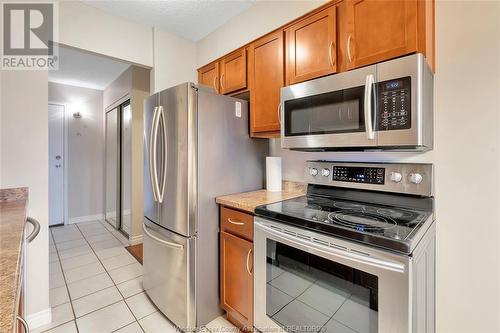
(453,153)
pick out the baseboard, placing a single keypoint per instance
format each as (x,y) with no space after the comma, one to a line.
(87,218)
(134,240)
(39,319)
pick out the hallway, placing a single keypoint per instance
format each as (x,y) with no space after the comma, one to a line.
(96,284)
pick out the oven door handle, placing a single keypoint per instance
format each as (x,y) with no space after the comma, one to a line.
(370,80)
(344,254)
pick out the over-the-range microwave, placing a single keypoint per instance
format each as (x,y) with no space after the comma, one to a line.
(384,106)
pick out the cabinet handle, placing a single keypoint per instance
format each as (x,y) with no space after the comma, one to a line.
(222,81)
(248,265)
(235,222)
(215,83)
(349,48)
(36,230)
(279,112)
(24,323)
(330,56)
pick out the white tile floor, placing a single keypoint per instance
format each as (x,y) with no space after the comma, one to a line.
(96,285)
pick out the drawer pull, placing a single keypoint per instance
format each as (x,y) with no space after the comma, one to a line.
(235,222)
(248,265)
(24,323)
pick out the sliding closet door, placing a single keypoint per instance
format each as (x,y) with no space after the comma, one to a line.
(126,167)
(112,197)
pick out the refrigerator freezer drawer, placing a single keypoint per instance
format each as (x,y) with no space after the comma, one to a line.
(169,273)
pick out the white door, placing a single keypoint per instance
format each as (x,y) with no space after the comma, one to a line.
(56,164)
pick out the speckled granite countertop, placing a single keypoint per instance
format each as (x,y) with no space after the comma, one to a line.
(12,221)
(248,201)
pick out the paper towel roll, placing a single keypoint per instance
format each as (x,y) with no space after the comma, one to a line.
(273,174)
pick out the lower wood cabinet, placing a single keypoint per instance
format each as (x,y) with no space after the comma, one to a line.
(236,267)
(236,278)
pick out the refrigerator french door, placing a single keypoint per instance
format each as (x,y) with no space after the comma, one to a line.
(169,237)
(196,147)
(171,158)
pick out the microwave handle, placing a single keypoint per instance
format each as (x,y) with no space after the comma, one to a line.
(370,80)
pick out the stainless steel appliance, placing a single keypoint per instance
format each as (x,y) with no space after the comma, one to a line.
(356,254)
(197,147)
(383,106)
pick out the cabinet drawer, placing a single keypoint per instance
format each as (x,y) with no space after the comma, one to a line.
(237,223)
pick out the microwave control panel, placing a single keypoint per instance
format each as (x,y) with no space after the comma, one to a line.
(394,104)
(359,174)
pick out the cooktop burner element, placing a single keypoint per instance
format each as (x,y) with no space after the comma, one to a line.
(347,205)
(392,219)
(362,221)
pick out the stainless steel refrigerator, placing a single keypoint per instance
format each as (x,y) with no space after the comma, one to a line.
(196,147)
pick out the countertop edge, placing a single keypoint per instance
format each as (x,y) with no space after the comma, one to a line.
(13,208)
(248,201)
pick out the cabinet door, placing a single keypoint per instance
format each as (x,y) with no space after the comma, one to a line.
(209,75)
(267,76)
(236,278)
(379,30)
(233,72)
(312,46)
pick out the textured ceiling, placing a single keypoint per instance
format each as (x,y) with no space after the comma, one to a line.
(191,19)
(83,69)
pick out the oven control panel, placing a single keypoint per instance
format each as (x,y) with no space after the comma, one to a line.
(409,178)
(394,104)
(359,174)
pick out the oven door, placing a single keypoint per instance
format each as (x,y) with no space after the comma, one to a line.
(308,282)
(331,112)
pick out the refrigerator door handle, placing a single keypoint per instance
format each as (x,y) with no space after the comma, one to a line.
(152,154)
(161,241)
(161,118)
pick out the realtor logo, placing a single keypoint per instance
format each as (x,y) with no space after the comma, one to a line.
(28,35)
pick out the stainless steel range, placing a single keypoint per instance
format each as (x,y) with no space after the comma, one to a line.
(356,254)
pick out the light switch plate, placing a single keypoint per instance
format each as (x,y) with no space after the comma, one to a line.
(237,109)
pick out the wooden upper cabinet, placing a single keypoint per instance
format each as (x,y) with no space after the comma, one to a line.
(267,75)
(378,30)
(233,72)
(209,75)
(311,46)
(236,278)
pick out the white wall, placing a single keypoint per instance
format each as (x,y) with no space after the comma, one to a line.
(24,149)
(84,163)
(261,18)
(174,61)
(88,28)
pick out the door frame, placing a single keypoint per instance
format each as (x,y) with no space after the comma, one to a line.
(115,105)
(65,160)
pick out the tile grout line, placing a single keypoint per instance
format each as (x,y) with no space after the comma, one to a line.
(67,289)
(114,284)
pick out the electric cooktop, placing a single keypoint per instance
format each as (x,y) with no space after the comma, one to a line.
(384,226)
